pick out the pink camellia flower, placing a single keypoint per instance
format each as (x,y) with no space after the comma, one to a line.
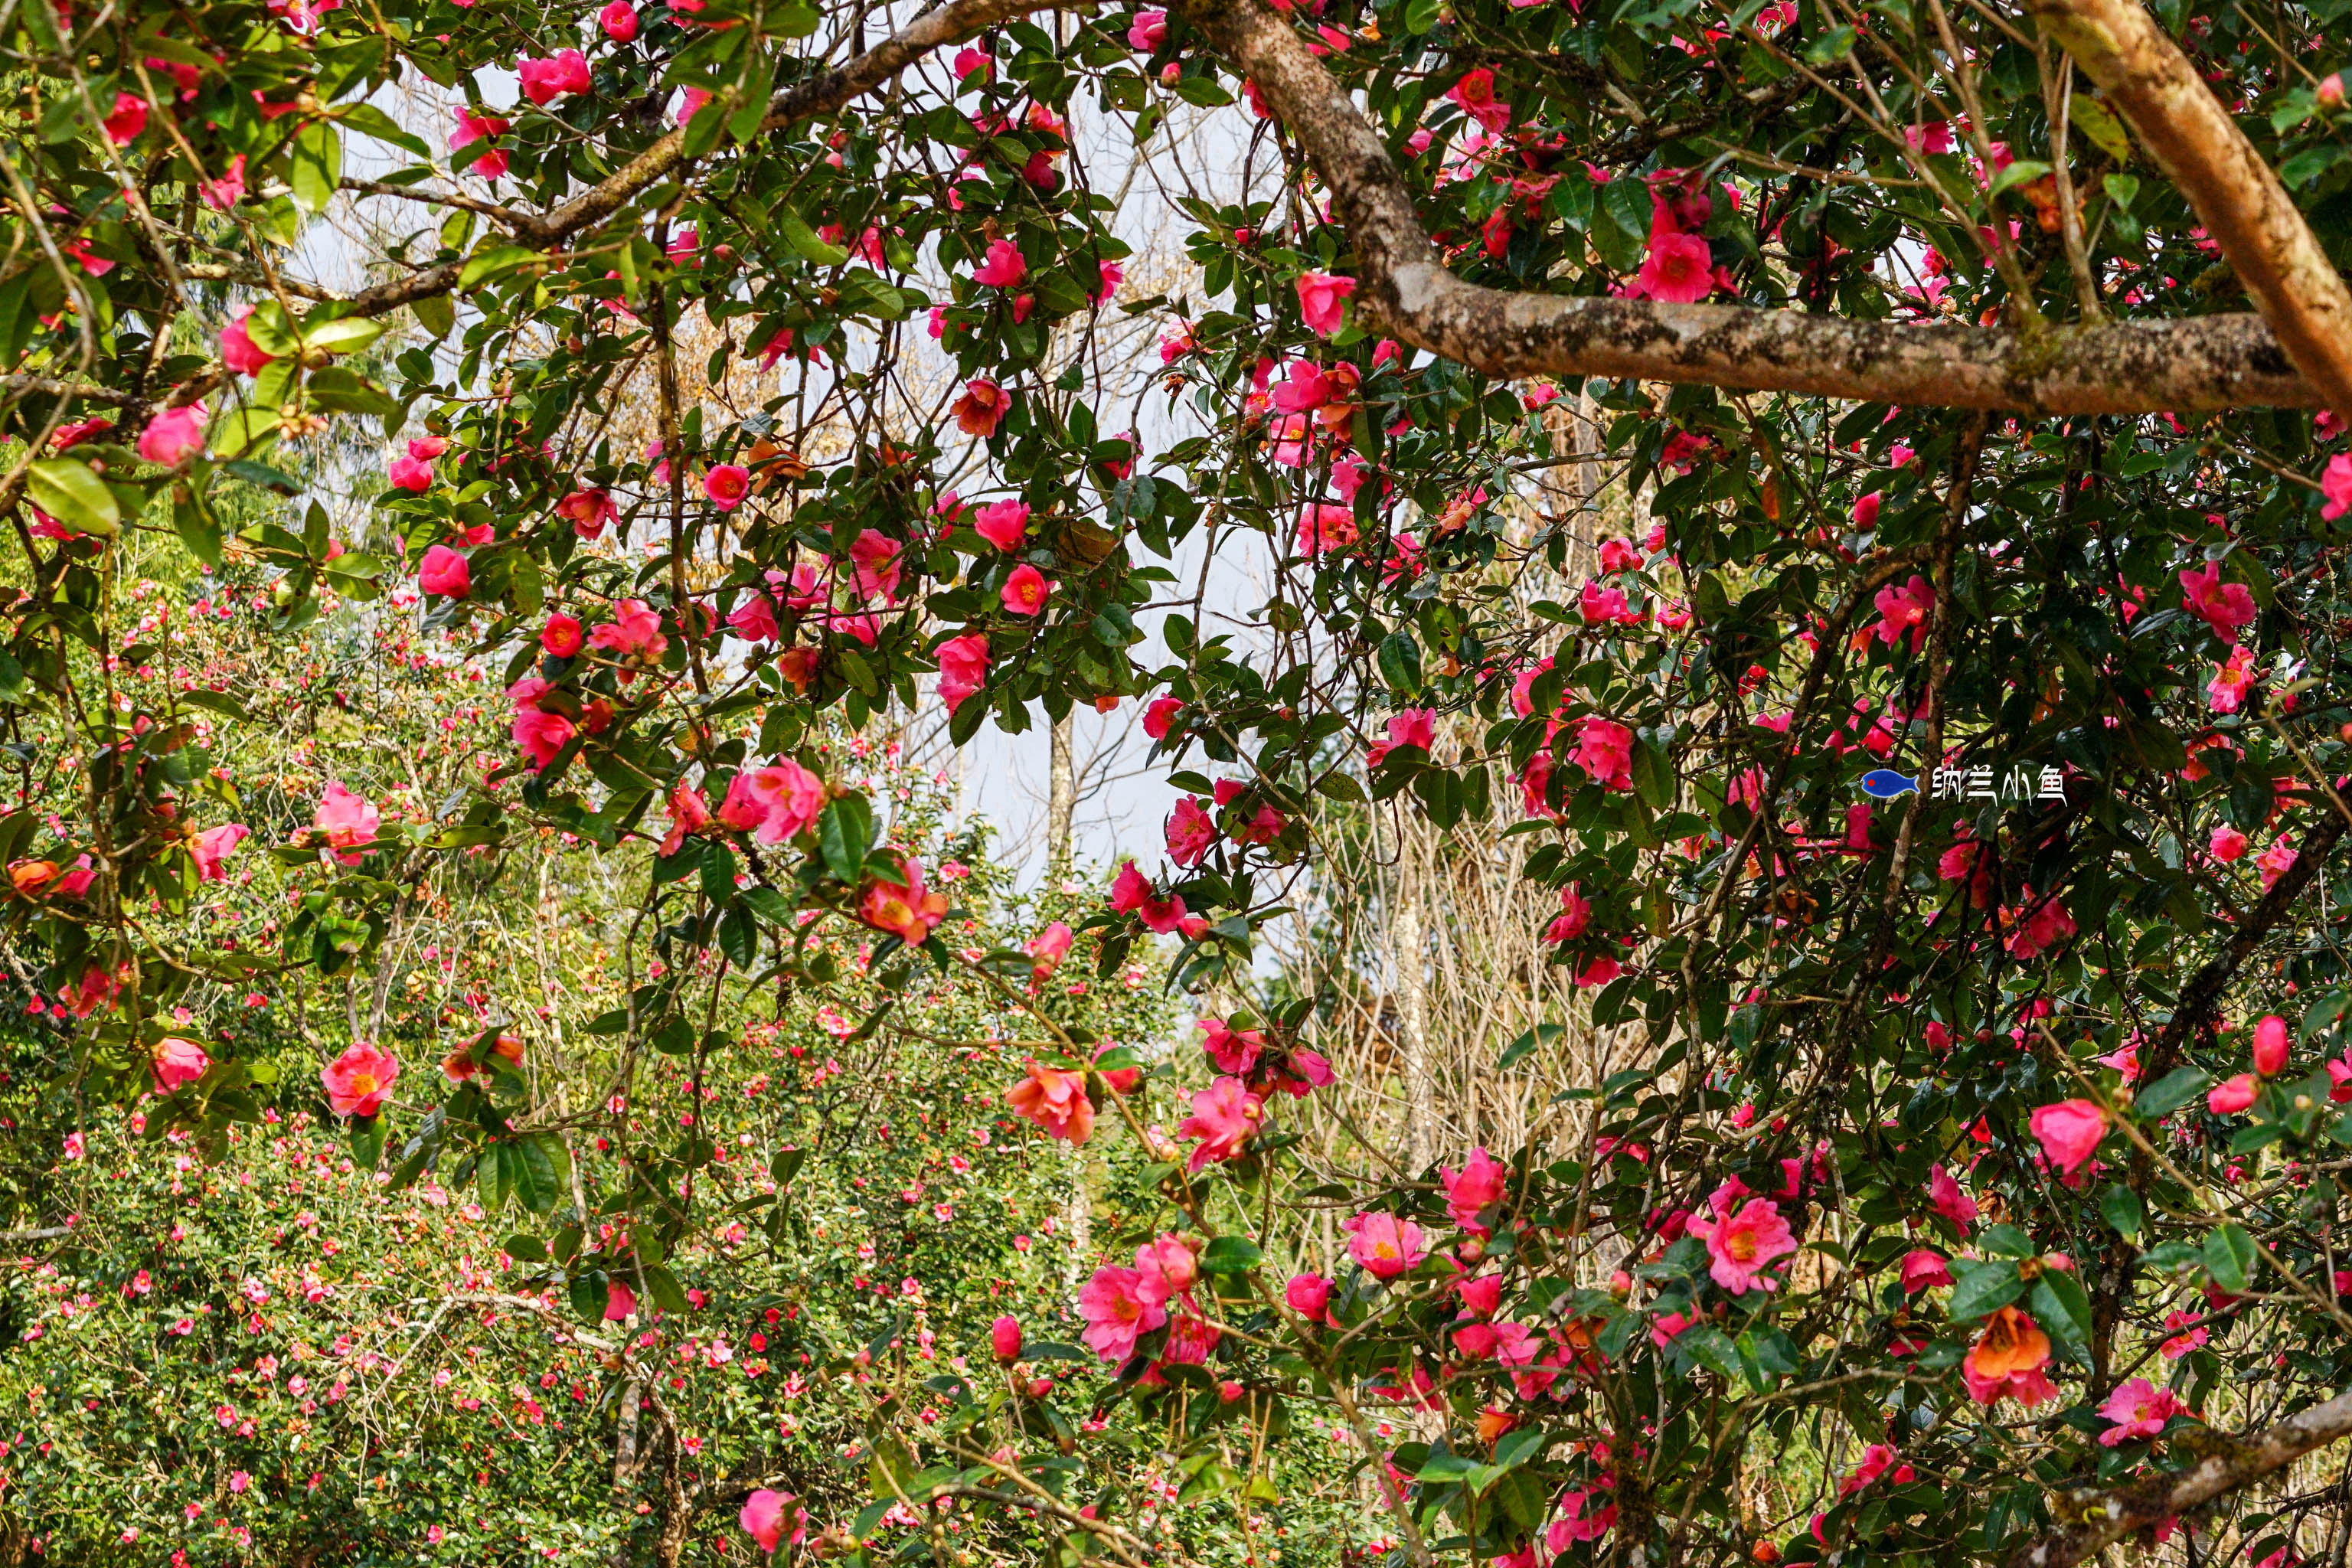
(1048,948)
(228,190)
(348,821)
(1575,915)
(771,1517)
(410,474)
(2226,692)
(1310,1296)
(1476,1186)
(1947,1198)
(1602,606)
(443,573)
(1004,1339)
(1744,1243)
(1923,1269)
(215,845)
(1878,1459)
(1131,893)
(358,1080)
(2335,481)
(473,128)
(1160,715)
(174,435)
(963,666)
(563,636)
(619,21)
(1056,1102)
(2274,861)
(541,736)
(982,409)
(2138,1409)
(178,1061)
(1866,513)
(620,1302)
(588,511)
(687,814)
(1414,727)
(1677,269)
(2227,844)
(634,635)
(2232,1096)
(1003,524)
(545,80)
(1118,1314)
(2188,1330)
(1322,300)
(1003,266)
(1225,1117)
(1166,1268)
(2007,1361)
(1236,1051)
(2224,607)
(1905,612)
(1192,833)
(1604,749)
(1025,591)
(239,351)
(1385,1245)
(1323,528)
(2069,1130)
(727,484)
(774,803)
(1147,32)
(2271,1046)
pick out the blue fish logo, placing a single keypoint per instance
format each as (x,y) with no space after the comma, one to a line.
(1885,784)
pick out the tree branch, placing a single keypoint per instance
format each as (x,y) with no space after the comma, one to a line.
(2107,1518)
(2239,199)
(2207,362)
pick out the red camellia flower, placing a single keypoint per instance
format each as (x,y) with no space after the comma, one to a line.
(902,907)
(2007,1361)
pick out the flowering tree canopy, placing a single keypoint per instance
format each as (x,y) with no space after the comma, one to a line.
(1854,495)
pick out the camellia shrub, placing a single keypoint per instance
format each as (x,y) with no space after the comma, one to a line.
(1942,778)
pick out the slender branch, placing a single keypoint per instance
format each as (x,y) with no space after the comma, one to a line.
(2240,200)
(2107,1518)
(2118,368)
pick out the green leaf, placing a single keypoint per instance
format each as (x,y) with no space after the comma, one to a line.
(1231,1255)
(490,266)
(1983,1289)
(802,238)
(1711,1348)
(68,491)
(663,1287)
(2061,1308)
(2169,1093)
(1400,660)
(437,314)
(2095,121)
(2024,171)
(2120,1207)
(343,335)
(369,120)
(1830,46)
(843,834)
(315,166)
(2230,1257)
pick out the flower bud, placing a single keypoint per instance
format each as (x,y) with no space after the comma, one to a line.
(1004,1336)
